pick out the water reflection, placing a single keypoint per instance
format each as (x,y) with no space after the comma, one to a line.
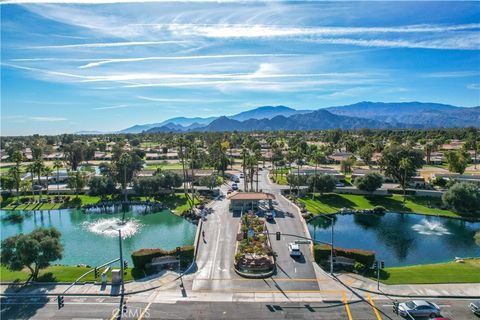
(86,242)
(402,239)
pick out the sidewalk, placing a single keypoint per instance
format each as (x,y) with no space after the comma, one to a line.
(451,290)
(89,288)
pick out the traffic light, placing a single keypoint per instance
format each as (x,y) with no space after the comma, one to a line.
(395,307)
(375,265)
(125,264)
(124,307)
(382,265)
(278,235)
(96,272)
(60,301)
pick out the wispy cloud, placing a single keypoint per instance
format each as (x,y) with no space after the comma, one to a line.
(176,100)
(163,58)
(48,119)
(120,106)
(263,31)
(451,74)
(109,44)
(474,86)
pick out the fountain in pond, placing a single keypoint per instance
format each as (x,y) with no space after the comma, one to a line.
(109,227)
(430,228)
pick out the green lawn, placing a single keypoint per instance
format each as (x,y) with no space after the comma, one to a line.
(178,203)
(333,202)
(74,202)
(450,272)
(164,166)
(57,274)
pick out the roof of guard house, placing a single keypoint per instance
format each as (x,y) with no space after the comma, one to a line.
(250,196)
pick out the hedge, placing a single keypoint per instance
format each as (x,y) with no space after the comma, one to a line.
(322,253)
(142,257)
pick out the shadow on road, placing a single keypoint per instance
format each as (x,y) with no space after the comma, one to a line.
(24,307)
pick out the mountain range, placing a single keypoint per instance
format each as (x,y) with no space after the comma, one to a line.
(365,114)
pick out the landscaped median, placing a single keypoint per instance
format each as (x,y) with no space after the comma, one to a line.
(254,255)
(450,272)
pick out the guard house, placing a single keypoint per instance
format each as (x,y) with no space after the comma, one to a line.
(241,201)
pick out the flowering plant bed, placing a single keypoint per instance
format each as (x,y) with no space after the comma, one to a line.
(254,254)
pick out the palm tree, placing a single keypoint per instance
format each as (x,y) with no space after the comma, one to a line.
(47,171)
(317,158)
(31,170)
(124,161)
(39,166)
(17,158)
(57,164)
(405,164)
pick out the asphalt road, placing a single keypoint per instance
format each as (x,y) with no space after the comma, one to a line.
(217,250)
(93,308)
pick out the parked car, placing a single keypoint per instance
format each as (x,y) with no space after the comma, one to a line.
(229,191)
(418,308)
(234,186)
(340,184)
(241,175)
(294,250)
(270,215)
(475,307)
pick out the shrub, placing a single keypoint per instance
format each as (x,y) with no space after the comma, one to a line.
(322,253)
(359,267)
(464,198)
(379,209)
(142,257)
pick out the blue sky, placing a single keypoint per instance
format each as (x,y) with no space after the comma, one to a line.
(90,66)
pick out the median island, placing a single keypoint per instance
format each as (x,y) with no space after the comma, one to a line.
(254,255)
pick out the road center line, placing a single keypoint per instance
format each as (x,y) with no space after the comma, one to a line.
(377,314)
(347,307)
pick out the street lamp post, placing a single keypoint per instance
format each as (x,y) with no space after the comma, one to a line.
(121,256)
(332,220)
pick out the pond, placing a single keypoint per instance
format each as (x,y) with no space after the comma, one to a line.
(401,239)
(86,240)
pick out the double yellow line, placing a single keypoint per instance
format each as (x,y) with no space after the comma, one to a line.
(347,307)
(377,314)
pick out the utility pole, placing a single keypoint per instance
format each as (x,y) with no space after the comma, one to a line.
(121,259)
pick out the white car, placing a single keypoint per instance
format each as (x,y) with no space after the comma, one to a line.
(294,250)
(234,186)
(241,175)
(418,308)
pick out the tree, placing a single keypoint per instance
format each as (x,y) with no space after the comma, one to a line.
(295,180)
(366,154)
(8,180)
(102,186)
(211,181)
(57,165)
(77,180)
(463,197)
(322,182)
(74,154)
(457,161)
(17,157)
(47,171)
(34,251)
(123,163)
(346,165)
(401,163)
(471,143)
(369,182)
(31,170)
(38,169)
